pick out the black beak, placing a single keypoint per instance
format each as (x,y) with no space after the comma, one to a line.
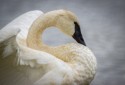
(77,35)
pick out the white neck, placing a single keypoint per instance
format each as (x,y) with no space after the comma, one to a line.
(39,25)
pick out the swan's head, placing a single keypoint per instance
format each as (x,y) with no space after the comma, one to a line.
(67,22)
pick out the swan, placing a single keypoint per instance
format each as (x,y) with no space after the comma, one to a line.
(26,60)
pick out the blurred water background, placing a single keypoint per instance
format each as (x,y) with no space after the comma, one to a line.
(103,27)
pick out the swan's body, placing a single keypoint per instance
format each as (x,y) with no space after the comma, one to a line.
(25,60)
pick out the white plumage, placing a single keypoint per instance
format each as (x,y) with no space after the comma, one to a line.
(25,60)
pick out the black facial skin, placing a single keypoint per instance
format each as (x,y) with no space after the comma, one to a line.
(77,35)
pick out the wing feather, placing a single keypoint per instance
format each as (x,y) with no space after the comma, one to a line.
(16,59)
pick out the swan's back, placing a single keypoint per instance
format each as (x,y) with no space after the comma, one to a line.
(81,60)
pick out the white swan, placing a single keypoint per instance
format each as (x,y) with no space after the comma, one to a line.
(25,60)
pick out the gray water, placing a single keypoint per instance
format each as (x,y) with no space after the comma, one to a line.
(103,27)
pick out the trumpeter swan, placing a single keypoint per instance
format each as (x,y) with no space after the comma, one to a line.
(25,60)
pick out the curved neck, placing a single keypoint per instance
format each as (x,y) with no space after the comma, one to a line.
(39,25)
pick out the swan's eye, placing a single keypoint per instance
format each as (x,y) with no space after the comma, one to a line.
(77,35)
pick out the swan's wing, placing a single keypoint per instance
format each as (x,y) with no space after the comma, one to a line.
(10,71)
(20,24)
